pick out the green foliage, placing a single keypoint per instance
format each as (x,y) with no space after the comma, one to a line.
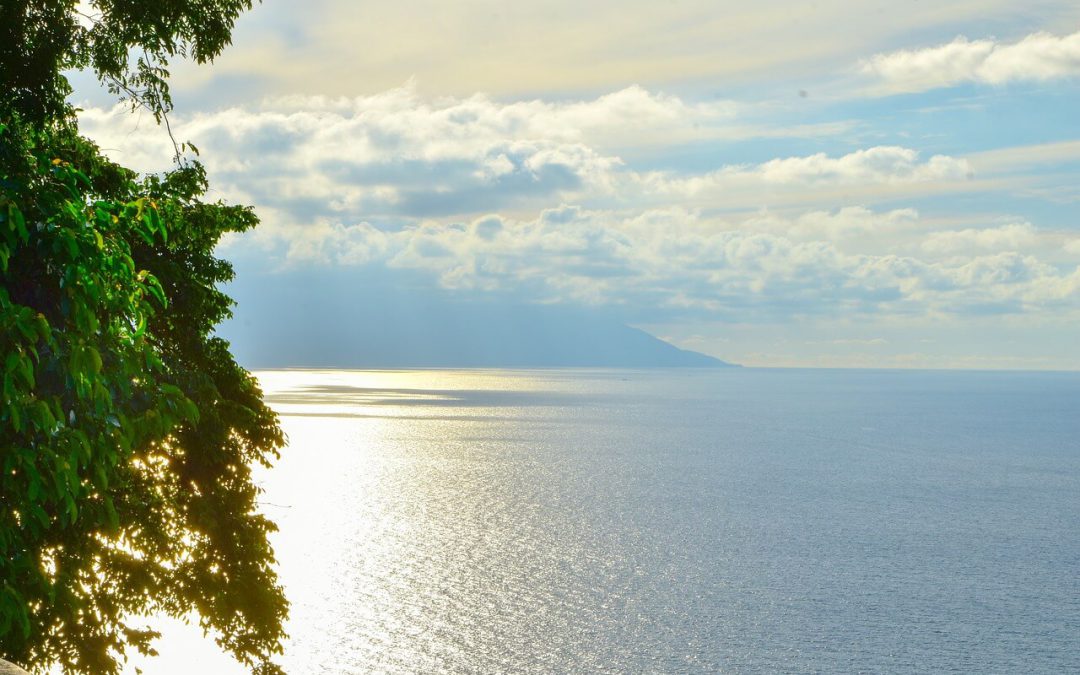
(127,430)
(128,43)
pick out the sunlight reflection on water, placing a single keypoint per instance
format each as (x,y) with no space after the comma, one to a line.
(614,521)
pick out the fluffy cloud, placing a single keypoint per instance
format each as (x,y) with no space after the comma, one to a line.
(1012,237)
(883,164)
(399,122)
(678,262)
(465,194)
(395,155)
(870,171)
(851,222)
(1037,57)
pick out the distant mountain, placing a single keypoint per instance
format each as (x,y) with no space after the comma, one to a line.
(400,330)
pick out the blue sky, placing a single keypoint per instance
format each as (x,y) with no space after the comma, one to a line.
(793,184)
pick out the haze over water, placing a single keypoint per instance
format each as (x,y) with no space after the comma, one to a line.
(675,521)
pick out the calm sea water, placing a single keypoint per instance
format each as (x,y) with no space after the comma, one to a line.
(675,521)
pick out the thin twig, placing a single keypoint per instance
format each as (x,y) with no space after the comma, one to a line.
(159,112)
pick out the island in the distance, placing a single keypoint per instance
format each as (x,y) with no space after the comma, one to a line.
(404,331)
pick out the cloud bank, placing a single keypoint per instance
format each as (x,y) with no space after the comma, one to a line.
(675,262)
(753,195)
(1036,58)
(549,202)
(396,155)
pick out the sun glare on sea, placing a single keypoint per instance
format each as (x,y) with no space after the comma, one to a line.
(350,509)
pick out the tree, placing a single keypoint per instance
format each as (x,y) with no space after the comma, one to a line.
(127,430)
(128,43)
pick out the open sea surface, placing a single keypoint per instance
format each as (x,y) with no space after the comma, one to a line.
(671,521)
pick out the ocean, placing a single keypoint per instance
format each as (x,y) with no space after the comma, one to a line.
(673,521)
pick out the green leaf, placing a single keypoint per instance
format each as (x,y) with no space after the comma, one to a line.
(154,286)
(72,243)
(16,417)
(15,217)
(110,513)
(95,359)
(140,326)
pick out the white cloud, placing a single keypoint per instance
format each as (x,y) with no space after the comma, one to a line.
(1017,236)
(846,223)
(397,155)
(870,171)
(889,164)
(400,121)
(463,193)
(677,261)
(1037,57)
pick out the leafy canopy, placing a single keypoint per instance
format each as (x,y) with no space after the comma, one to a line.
(127,430)
(128,43)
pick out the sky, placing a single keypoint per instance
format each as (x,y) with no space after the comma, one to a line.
(835,184)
